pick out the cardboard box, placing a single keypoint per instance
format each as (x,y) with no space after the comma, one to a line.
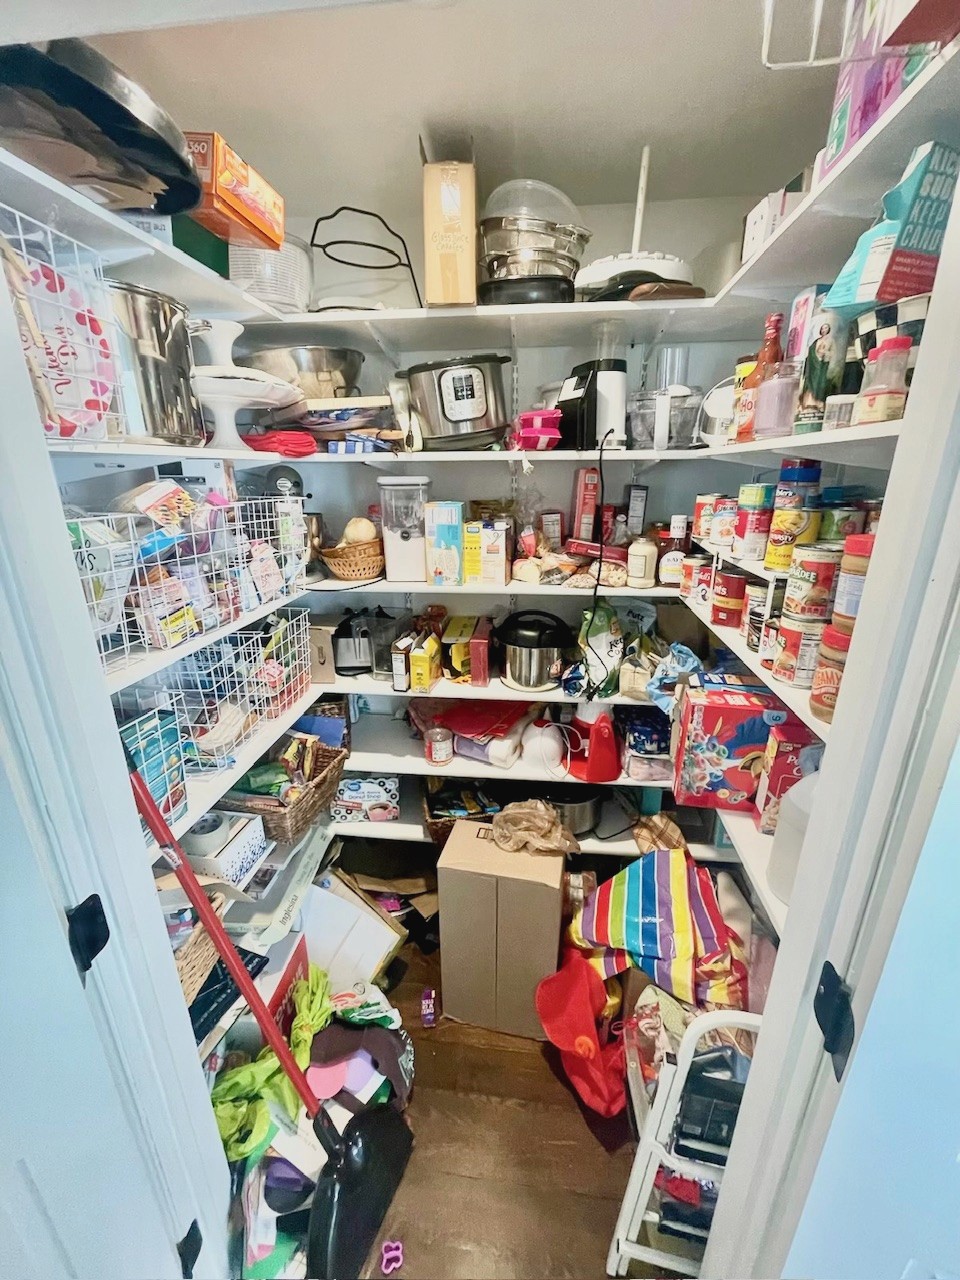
(449,232)
(487,552)
(322,670)
(585,493)
(443,530)
(792,751)
(425,668)
(764,218)
(361,798)
(236,203)
(400,652)
(480,653)
(499,930)
(737,720)
(455,648)
(234,852)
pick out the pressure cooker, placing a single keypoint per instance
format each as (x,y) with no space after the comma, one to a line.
(458,403)
(533,645)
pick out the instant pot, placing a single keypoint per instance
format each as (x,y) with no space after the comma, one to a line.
(458,403)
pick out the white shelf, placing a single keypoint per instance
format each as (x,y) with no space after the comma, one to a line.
(204,790)
(870,446)
(495,691)
(155,453)
(754,567)
(798,700)
(753,850)
(147,662)
(384,745)
(127,252)
(529,590)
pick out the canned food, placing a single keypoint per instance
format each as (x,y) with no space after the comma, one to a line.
(722,524)
(703,584)
(703,514)
(871,509)
(756,496)
(750,532)
(729,590)
(689,567)
(797,646)
(812,583)
(789,529)
(754,605)
(837,523)
(769,636)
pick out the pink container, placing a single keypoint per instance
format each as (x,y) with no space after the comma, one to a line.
(537,429)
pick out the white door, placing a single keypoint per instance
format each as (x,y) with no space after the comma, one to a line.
(75,1197)
(885,1199)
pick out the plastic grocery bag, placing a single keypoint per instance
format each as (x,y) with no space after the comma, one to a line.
(601,643)
(661,687)
(533,826)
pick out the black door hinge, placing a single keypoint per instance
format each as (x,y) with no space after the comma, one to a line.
(88,933)
(189,1249)
(834,1014)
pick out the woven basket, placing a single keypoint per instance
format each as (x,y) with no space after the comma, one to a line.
(439,828)
(196,958)
(354,564)
(288,822)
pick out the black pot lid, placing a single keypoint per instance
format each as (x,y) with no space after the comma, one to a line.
(533,629)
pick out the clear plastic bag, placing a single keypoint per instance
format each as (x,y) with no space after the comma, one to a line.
(534,827)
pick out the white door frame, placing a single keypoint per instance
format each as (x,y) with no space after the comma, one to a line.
(896,725)
(54,706)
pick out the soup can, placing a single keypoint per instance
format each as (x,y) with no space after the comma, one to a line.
(723,521)
(769,635)
(751,531)
(812,583)
(837,523)
(751,620)
(729,590)
(689,568)
(756,496)
(871,509)
(797,647)
(703,514)
(703,584)
(789,529)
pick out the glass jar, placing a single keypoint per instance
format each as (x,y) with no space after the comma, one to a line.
(642,564)
(831,660)
(857,550)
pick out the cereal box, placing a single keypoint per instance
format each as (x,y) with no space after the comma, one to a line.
(792,752)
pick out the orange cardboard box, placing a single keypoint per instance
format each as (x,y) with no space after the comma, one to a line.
(236,204)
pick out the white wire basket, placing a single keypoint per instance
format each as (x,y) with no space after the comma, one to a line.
(154,738)
(150,587)
(67,329)
(283,278)
(223,692)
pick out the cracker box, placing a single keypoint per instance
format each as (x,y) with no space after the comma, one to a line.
(487,552)
(792,752)
(424,663)
(719,739)
(443,529)
(455,648)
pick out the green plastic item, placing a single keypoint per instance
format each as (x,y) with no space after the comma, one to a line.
(201,244)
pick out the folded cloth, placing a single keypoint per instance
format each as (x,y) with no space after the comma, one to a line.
(292,444)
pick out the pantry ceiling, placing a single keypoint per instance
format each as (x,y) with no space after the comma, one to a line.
(328,103)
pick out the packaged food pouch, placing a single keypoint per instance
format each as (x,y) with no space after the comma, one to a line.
(601,643)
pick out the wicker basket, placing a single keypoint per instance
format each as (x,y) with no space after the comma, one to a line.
(288,822)
(439,828)
(196,958)
(357,563)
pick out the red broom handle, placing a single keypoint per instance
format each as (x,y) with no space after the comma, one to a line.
(172,851)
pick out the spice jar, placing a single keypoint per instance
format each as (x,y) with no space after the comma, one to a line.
(438,745)
(831,659)
(857,550)
(884,391)
(642,564)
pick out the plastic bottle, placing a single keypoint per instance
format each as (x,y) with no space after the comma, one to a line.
(884,392)
(857,550)
(642,564)
(770,352)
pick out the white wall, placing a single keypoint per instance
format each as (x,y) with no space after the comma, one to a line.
(681,227)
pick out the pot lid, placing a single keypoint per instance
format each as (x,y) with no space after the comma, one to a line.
(454,362)
(533,629)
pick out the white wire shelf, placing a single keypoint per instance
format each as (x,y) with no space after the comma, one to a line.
(753,849)
(798,700)
(383,745)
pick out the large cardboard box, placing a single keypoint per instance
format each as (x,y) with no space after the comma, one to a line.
(449,232)
(499,929)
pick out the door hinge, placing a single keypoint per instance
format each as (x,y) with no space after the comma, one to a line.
(833,1011)
(189,1249)
(88,933)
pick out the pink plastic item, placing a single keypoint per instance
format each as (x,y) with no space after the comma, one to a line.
(537,429)
(391,1256)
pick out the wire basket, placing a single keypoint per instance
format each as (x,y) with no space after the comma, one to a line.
(283,278)
(67,329)
(355,563)
(155,588)
(281,668)
(154,739)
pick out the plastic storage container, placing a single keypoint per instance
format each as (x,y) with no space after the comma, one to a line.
(282,277)
(682,416)
(402,502)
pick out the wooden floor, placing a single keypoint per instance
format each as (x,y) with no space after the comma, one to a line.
(509,1177)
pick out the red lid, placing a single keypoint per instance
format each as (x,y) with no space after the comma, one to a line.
(873,355)
(859,544)
(834,638)
(896,344)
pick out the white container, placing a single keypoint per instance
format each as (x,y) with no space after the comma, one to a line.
(642,564)
(795,809)
(402,502)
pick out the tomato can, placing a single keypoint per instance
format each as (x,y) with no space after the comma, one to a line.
(769,637)
(837,523)
(751,620)
(751,531)
(797,647)
(689,569)
(790,528)
(812,583)
(722,524)
(703,514)
(729,590)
